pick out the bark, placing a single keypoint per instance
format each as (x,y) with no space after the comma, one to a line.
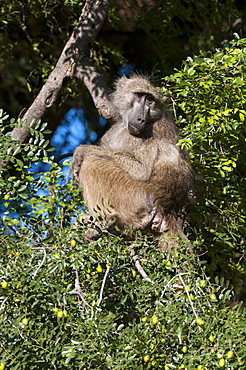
(74,62)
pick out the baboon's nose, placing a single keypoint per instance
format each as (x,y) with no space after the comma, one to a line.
(141,120)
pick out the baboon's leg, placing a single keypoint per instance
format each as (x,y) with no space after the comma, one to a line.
(106,185)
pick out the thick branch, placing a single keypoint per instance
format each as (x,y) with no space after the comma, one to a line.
(74,63)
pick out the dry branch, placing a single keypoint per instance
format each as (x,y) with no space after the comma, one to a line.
(74,62)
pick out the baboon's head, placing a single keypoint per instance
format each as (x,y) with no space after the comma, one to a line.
(138,102)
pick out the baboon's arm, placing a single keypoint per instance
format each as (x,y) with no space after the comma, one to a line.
(137,167)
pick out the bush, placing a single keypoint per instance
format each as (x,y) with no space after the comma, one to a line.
(66,302)
(211,91)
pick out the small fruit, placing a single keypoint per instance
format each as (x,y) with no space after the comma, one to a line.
(6,197)
(59,314)
(213,297)
(211,338)
(221,362)
(200,321)
(134,273)
(154,320)
(144,319)
(24,321)
(200,367)
(99,268)
(2,366)
(184,349)
(73,243)
(202,283)
(168,262)
(229,354)
(4,284)
(146,358)
(187,288)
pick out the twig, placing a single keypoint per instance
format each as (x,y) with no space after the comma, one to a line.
(141,271)
(186,291)
(103,284)
(176,286)
(2,305)
(42,262)
(77,289)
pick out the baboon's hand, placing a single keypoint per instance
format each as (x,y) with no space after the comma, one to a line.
(155,221)
(158,223)
(78,158)
(75,172)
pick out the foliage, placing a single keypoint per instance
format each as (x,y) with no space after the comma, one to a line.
(211,91)
(66,302)
(34,32)
(121,321)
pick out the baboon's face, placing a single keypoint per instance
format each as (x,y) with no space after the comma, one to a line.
(140,111)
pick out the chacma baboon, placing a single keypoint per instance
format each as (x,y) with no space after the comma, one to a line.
(137,167)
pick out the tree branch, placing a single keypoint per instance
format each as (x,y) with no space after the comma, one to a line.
(73,62)
(141,271)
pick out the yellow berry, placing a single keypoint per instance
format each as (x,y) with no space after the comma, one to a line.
(2,366)
(146,358)
(134,273)
(229,354)
(200,367)
(168,262)
(221,362)
(213,297)
(6,196)
(187,288)
(4,284)
(211,338)
(184,349)
(202,283)
(24,321)
(240,362)
(200,321)
(73,243)
(154,319)
(99,268)
(59,314)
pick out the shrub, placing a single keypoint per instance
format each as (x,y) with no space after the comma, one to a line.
(211,91)
(66,302)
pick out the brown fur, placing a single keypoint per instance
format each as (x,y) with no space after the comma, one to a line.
(138,168)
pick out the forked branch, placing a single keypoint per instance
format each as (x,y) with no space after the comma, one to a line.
(73,62)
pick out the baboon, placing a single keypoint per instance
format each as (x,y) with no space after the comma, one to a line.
(137,167)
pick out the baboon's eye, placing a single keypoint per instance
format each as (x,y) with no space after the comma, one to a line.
(150,99)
